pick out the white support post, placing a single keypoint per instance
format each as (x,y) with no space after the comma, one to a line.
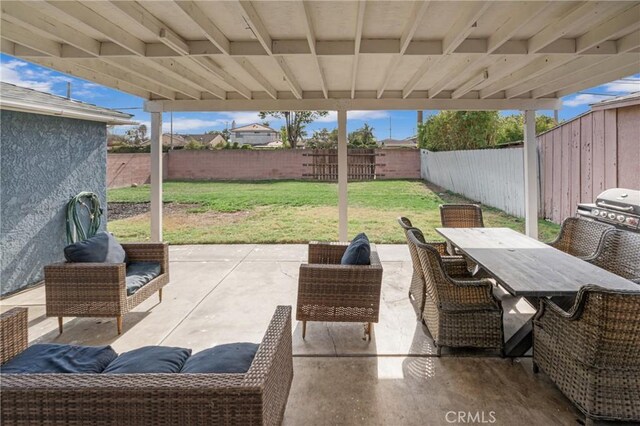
(342,175)
(530,174)
(156,176)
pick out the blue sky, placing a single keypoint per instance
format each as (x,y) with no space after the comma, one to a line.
(402,123)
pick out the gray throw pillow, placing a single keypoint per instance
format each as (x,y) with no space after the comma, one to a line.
(358,252)
(101,248)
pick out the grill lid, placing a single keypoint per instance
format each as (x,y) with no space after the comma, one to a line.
(620,199)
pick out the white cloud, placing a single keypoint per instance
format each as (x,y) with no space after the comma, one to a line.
(12,72)
(181,125)
(622,86)
(584,99)
(332,117)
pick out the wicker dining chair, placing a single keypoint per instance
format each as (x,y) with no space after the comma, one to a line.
(99,289)
(462,216)
(592,352)
(456,265)
(329,291)
(458,313)
(580,237)
(619,252)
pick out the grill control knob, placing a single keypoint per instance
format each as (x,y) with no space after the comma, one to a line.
(603,214)
(612,216)
(620,218)
(595,212)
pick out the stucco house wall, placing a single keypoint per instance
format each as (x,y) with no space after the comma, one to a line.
(44,160)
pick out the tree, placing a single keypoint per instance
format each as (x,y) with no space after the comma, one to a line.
(136,135)
(512,127)
(454,130)
(323,139)
(295,122)
(362,138)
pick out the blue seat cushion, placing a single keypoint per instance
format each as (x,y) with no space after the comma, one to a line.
(139,274)
(52,358)
(229,358)
(101,248)
(149,359)
(358,252)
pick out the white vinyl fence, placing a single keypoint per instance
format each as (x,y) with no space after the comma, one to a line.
(494,177)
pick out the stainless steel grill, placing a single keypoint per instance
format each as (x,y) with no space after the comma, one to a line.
(617,206)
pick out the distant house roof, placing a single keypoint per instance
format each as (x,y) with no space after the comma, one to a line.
(255,127)
(390,143)
(617,102)
(178,140)
(203,138)
(218,139)
(16,98)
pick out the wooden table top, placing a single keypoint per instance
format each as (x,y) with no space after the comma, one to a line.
(528,267)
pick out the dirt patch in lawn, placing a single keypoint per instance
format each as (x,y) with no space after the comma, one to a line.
(191,213)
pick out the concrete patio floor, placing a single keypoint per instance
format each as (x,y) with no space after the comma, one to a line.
(227,293)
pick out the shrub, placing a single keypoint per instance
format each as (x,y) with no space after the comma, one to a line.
(194,145)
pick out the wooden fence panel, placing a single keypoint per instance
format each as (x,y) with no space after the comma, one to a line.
(586,133)
(611,148)
(361,164)
(565,140)
(491,176)
(575,163)
(597,147)
(557,174)
(629,147)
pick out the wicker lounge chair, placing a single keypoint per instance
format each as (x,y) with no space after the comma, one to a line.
(257,397)
(458,313)
(619,252)
(99,289)
(592,352)
(329,291)
(457,266)
(580,237)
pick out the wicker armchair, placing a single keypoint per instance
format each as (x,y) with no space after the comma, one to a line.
(458,313)
(329,291)
(257,397)
(592,351)
(619,252)
(99,289)
(456,265)
(580,237)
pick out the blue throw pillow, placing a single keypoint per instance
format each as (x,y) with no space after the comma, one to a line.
(101,248)
(358,252)
(230,358)
(139,274)
(149,359)
(52,358)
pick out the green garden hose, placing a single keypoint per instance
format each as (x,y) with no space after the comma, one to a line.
(75,228)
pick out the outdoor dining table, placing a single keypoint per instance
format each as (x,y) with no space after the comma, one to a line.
(528,268)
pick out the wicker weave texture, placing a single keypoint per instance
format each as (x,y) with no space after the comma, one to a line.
(457,312)
(592,352)
(329,291)
(257,397)
(99,289)
(619,252)
(14,336)
(456,266)
(580,237)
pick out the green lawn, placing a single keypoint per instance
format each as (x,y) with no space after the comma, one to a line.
(293,211)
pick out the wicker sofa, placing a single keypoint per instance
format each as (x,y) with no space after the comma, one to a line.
(329,291)
(592,351)
(257,397)
(99,289)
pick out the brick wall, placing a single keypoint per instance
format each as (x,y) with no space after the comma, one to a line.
(126,169)
(236,165)
(399,164)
